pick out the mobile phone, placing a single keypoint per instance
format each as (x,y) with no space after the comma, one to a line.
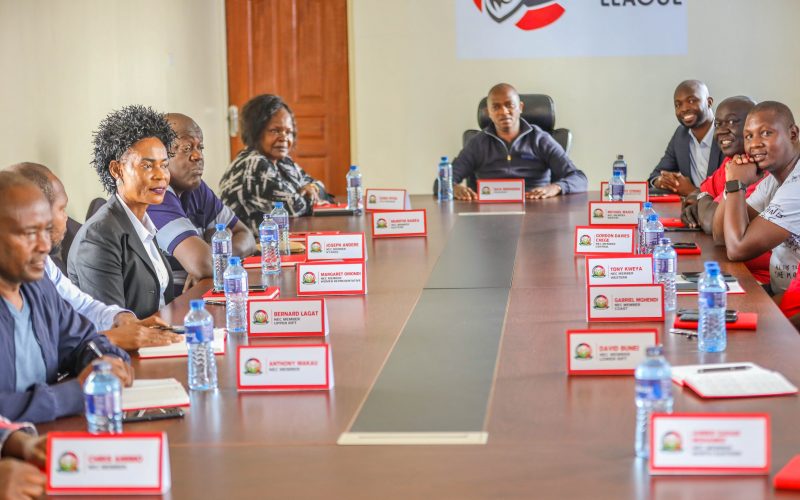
(684,246)
(256,288)
(151,414)
(695,276)
(731,316)
(172,328)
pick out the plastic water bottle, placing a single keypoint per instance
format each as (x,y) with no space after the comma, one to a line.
(355,201)
(221,249)
(445,180)
(199,334)
(103,396)
(281,218)
(653,395)
(641,220)
(616,187)
(269,235)
(665,266)
(712,302)
(653,232)
(621,166)
(236,296)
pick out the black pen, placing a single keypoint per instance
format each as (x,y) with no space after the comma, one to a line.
(95,349)
(724,369)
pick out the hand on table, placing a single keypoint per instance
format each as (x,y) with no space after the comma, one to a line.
(191,280)
(20,481)
(310,191)
(462,192)
(542,192)
(689,213)
(133,336)
(27,447)
(121,369)
(675,182)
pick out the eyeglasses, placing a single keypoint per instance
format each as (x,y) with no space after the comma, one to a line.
(730,122)
(286,132)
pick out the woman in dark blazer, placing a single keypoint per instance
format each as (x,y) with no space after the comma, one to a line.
(115,257)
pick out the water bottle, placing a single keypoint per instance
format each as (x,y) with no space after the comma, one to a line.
(269,234)
(620,166)
(665,266)
(641,220)
(199,334)
(616,187)
(221,249)
(653,395)
(653,232)
(445,180)
(281,218)
(235,296)
(355,201)
(103,396)
(712,302)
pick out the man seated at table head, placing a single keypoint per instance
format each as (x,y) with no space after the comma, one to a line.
(770,218)
(119,325)
(41,336)
(692,154)
(511,148)
(187,217)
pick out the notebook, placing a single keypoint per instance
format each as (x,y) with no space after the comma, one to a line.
(734,380)
(181,349)
(272,292)
(154,393)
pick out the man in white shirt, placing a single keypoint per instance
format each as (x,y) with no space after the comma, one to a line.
(119,325)
(770,218)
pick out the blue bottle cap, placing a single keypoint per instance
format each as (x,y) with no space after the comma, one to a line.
(353,167)
(234,261)
(220,227)
(101,365)
(652,217)
(617,173)
(444,158)
(655,350)
(647,204)
(664,241)
(277,204)
(197,304)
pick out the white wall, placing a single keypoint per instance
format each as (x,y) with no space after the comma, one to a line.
(413,98)
(66,63)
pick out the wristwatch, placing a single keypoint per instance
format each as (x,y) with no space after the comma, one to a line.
(733,186)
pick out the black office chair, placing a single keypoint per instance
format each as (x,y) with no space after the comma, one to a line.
(94,206)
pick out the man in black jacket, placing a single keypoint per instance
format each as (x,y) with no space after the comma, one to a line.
(692,154)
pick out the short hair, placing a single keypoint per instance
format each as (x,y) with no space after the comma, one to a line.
(691,84)
(257,113)
(780,110)
(39,175)
(120,130)
(502,86)
(10,180)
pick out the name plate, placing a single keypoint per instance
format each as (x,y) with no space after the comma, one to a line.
(341,278)
(342,246)
(287,318)
(387,199)
(86,464)
(607,352)
(625,303)
(398,224)
(501,190)
(603,239)
(634,191)
(634,270)
(624,213)
(284,368)
(710,444)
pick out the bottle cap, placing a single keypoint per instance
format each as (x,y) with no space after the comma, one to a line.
(444,158)
(220,227)
(266,217)
(655,350)
(277,204)
(652,217)
(234,261)
(619,157)
(197,304)
(617,173)
(647,204)
(353,167)
(101,365)
(665,241)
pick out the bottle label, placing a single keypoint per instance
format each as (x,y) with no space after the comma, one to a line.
(665,265)
(651,237)
(221,247)
(653,389)
(354,182)
(712,299)
(196,334)
(104,405)
(617,190)
(233,285)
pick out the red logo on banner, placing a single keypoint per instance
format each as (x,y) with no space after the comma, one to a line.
(538,13)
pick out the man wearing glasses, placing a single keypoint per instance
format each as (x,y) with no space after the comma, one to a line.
(511,148)
(187,218)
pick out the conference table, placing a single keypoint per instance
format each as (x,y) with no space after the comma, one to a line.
(548,435)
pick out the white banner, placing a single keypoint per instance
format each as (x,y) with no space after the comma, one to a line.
(496,29)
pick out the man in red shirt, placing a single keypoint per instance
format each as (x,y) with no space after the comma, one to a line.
(699,207)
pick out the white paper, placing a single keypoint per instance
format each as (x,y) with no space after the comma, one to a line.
(181,349)
(154,393)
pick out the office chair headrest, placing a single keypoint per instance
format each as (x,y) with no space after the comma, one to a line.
(538,109)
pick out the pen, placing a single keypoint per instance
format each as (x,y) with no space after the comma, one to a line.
(215,302)
(95,349)
(723,369)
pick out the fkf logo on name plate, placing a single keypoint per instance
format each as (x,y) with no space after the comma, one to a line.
(537,13)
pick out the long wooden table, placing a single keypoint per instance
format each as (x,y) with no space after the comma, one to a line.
(549,436)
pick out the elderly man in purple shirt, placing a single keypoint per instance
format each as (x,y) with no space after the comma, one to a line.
(511,148)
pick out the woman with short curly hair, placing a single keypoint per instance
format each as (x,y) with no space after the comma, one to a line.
(115,257)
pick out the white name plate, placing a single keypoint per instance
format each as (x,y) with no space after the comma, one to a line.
(341,278)
(342,246)
(93,464)
(501,190)
(623,213)
(399,224)
(287,318)
(387,199)
(634,270)
(634,191)
(604,240)
(607,352)
(710,444)
(625,303)
(284,368)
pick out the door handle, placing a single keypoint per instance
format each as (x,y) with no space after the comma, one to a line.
(233,120)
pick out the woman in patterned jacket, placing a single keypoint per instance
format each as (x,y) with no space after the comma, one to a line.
(264,172)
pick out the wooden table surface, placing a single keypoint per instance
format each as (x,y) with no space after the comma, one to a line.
(550,436)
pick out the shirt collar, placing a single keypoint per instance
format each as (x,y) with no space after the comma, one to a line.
(524,129)
(708,139)
(144,228)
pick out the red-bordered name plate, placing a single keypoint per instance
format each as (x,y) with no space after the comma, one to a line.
(625,303)
(607,352)
(501,190)
(400,224)
(628,270)
(377,200)
(287,318)
(348,247)
(634,191)
(614,213)
(606,240)
(284,368)
(331,278)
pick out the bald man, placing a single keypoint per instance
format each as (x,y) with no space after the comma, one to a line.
(187,218)
(692,155)
(512,148)
(770,218)
(41,335)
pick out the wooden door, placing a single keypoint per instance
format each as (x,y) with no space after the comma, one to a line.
(296,49)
